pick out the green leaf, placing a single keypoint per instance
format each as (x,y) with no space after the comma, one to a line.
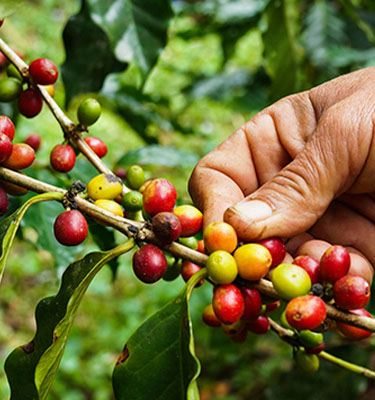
(281,52)
(31,368)
(159,155)
(9,226)
(137,29)
(89,57)
(159,361)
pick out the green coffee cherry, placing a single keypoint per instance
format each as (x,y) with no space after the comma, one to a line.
(136,216)
(132,201)
(10,88)
(13,72)
(308,363)
(173,269)
(135,177)
(89,111)
(284,322)
(310,338)
(191,242)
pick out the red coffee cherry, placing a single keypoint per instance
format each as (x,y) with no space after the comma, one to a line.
(191,219)
(62,158)
(271,307)
(97,145)
(159,195)
(277,249)
(252,304)
(70,228)
(310,265)
(352,332)
(4,203)
(30,103)
(209,317)
(22,156)
(260,326)
(43,71)
(149,263)
(166,226)
(334,264)
(305,312)
(315,350)
(188,269)
(228,303)
(34,140)
(7,126)
(351,292)
(6,147)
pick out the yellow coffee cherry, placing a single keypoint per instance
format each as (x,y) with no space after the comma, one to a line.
(253,261)
(104,186)
(111,206)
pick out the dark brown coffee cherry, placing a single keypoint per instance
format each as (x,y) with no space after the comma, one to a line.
(166,226)
(70,228)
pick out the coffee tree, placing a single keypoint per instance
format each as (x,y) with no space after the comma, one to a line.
(254,289)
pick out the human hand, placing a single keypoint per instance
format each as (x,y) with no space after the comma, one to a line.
(303,168)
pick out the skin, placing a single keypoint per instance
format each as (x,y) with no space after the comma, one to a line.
(302,169)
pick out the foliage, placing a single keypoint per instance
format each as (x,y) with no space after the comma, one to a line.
(175,79)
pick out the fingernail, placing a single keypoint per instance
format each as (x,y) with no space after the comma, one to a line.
(255,210)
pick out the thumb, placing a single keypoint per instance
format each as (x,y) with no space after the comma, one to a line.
(292,201)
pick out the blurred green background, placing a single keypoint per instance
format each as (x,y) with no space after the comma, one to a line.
(223,62)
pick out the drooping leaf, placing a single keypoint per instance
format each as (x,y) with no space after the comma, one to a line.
(281,51)
(31,368)
(324,29)
(9,226)
(159,155)
(89,57)
(158,362)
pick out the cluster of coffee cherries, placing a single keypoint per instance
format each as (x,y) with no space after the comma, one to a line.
(13,87)
(63,156)
(16,156)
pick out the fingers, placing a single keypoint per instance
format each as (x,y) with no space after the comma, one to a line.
(359,265)
(331,161)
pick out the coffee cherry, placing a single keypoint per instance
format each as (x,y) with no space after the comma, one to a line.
(166,227)
(334,264)
(120,172)
(1,22)
(4,203)
(135,177)
(352,332)
(271,307)
(188,269)
(284,322)
(30,103)
(219,236)
(149,263)
(104,186)
(143,187)
(232,329)
(43,71)
(50,90)
(89,112)
(221,267)
(22,156)
(70,228)
(110,206)
(315,350)
(252,304)
(309,338)
(173,268)
(351,292)
(228,303)
(191,220)
(13,72)
(305,312)
(190,242)
(63,158)
(6,147)
(310,265)
(10,88)
(209,317)
(239,337)
(159,195)
(34,140)
(290,281)
(200,246)
(308,363)
(253,261)
(260,326)
(133,201)
(7,126)
(276,248)
(97,145)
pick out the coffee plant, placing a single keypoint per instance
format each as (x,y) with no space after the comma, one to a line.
(255,290)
